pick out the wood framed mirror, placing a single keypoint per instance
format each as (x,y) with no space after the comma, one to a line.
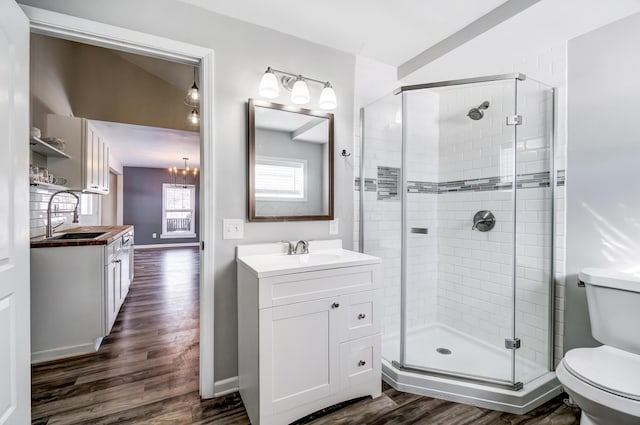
(290,163)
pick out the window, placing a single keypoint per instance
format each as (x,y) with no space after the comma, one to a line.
(86,204)
(280,179)
(178,211)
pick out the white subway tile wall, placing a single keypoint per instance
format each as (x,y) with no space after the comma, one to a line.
(39,199)
(456,276)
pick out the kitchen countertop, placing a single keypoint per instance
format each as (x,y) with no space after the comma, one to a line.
(113,233)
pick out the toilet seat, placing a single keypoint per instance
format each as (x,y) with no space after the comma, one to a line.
(607,368)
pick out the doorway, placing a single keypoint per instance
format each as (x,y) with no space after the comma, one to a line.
(83,31)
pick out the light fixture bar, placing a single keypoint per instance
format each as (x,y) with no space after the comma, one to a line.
(296,75)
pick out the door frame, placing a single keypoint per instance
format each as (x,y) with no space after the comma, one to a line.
(85,31)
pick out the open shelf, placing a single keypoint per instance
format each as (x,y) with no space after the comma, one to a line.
(49,186)
(37,145)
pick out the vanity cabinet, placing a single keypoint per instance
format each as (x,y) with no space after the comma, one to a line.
(307,339)
(88,168)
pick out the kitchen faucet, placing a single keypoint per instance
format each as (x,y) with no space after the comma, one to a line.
(50,227)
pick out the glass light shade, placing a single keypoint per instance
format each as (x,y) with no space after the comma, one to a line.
(327,98)
(194,117)
(269,86)
(193,96)
(300,93)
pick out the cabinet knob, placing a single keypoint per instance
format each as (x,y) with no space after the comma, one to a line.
(335,305)
(361,316)
(361,363)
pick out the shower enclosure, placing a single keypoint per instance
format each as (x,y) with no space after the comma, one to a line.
(456,190)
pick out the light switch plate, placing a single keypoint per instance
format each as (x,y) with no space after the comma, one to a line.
(232,228)
(334,228)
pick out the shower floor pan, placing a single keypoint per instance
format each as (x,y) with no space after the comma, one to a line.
(440,347)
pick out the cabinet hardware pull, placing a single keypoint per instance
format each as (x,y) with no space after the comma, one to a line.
(335,305)
(362,363)
(361,316)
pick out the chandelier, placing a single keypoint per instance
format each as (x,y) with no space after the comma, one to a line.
(183,177)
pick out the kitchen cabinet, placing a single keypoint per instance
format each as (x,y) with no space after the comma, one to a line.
(76,295)
(114,288)
(88,167)
(307,339)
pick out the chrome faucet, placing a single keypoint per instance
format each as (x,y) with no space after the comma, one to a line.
(50,227)
(293,249)
(305,247)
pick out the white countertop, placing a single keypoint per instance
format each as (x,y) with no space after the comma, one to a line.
(266,260)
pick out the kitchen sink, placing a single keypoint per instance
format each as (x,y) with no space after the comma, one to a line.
(77,235)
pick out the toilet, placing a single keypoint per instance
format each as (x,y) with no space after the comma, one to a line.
(605,381)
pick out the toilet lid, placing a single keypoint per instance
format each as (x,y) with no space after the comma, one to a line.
(607,368)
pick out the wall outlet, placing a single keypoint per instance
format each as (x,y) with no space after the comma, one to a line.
(232,228)
(334,228)
(154,235)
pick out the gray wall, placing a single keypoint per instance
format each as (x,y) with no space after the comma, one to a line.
(242,53)
(603,150)
(143,205)
(280,144)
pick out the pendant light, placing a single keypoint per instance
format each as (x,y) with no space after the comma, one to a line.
(327,97)
(269,85)
(193,95)
(194,117)
(300,92)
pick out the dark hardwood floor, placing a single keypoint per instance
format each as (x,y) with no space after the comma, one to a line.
(146,371)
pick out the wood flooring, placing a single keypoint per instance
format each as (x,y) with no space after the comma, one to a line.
(146,371)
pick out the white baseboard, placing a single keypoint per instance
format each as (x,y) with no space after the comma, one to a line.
(62,352)
(225,386)
(166,245)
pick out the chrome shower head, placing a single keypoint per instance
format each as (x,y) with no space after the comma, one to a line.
(478,112)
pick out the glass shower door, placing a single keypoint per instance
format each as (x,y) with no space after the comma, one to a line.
(534,238)
(379,209)
(458,230)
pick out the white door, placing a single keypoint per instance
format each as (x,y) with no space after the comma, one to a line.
(15,373)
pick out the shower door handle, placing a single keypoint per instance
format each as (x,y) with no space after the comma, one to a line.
(420,230)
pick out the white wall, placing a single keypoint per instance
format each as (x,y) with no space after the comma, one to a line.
(603,177)
(242,53)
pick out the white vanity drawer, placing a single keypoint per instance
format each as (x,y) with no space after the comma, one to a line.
(307,286)
(360,361)
(363,314)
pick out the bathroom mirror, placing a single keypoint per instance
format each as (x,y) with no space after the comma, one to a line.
(290,163)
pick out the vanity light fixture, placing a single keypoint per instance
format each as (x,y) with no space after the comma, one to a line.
(186,173)
(300,92)
(328,97)
(297,84)
(269,85)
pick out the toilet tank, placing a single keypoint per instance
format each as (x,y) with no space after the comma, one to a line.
(614,307)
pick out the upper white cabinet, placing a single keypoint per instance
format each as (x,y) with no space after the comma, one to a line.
(88,168)
(308,329)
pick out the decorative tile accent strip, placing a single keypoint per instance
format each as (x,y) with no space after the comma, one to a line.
(422,187)
(389,185)
(561,178)
(369,185)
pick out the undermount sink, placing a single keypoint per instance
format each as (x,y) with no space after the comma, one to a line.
(76,236)
(271,259)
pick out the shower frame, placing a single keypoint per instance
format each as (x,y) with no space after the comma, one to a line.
(515,120)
